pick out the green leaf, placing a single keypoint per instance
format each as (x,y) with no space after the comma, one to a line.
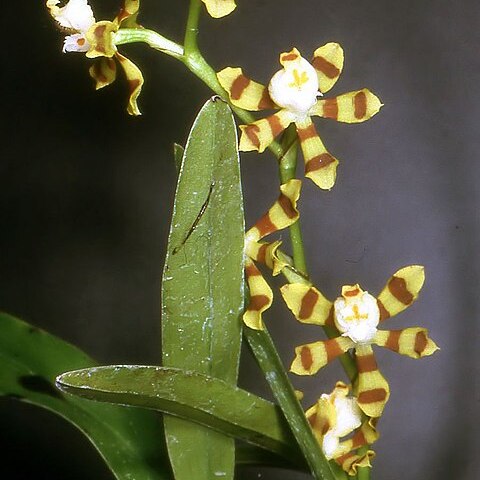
(129,440)
(193,396)
(203,284)
(250,455)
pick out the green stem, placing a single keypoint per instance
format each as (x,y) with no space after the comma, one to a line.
(191,31)
(151,38)
(339,472)
(363,473)
(267,357)
(287,171)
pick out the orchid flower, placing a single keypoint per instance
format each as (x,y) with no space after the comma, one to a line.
(297,90)
(220,8)
(282,214)
(96,40)
(356,314)
(336,416)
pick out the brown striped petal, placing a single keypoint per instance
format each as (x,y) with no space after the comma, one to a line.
(260,134)
(365,435)
(321,417)
(127,17)
(320,166)
(401,290)
(104,72)
(310,358)
(243,92)
(413,342)
(372,390)
(351,107)
(100,38)
(219,8)
(261,296)
(135,83)
(266,253)
(281,214)
(351,462)
(328,62)
(287,58)
(307,303)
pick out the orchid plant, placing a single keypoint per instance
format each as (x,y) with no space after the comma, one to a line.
(205,305)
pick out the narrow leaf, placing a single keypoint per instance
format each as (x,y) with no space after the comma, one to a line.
(199,398)
(202,288)
(129,440)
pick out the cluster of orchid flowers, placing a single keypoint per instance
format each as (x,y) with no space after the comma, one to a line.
(342,423)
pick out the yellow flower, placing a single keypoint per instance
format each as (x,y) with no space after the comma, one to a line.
(282,214)
(336,416)
(356,314)
(96,40)
(220,8)
(296,90)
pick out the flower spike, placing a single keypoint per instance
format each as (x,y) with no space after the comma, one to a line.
(281,214)
(357,314)
(96,40)
(294,91)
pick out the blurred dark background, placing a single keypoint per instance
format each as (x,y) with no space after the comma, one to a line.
(86,194)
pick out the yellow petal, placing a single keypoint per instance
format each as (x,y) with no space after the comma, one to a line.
(351,107)
(413,342)
(135,83)
(351,461)
(290,58)
(307,304)
(127,17)
(104,72)
(281,214)
(401,290)
(365,435)
(373,390)
(261,296)
(310,358)
(267,254)
(322,417)
(260,134)
(328,62)
(220,8)
(100,39)
(243,92)
(320,166)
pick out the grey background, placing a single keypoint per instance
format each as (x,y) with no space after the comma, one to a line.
(86,194)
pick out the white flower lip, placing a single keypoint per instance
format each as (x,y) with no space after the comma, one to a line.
(76,15)
(75,43)
(357,314)
(348,417)
(295,87)
(330,445)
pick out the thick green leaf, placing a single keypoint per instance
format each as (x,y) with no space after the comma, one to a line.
(202,288)
(130,440)
(199,398)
